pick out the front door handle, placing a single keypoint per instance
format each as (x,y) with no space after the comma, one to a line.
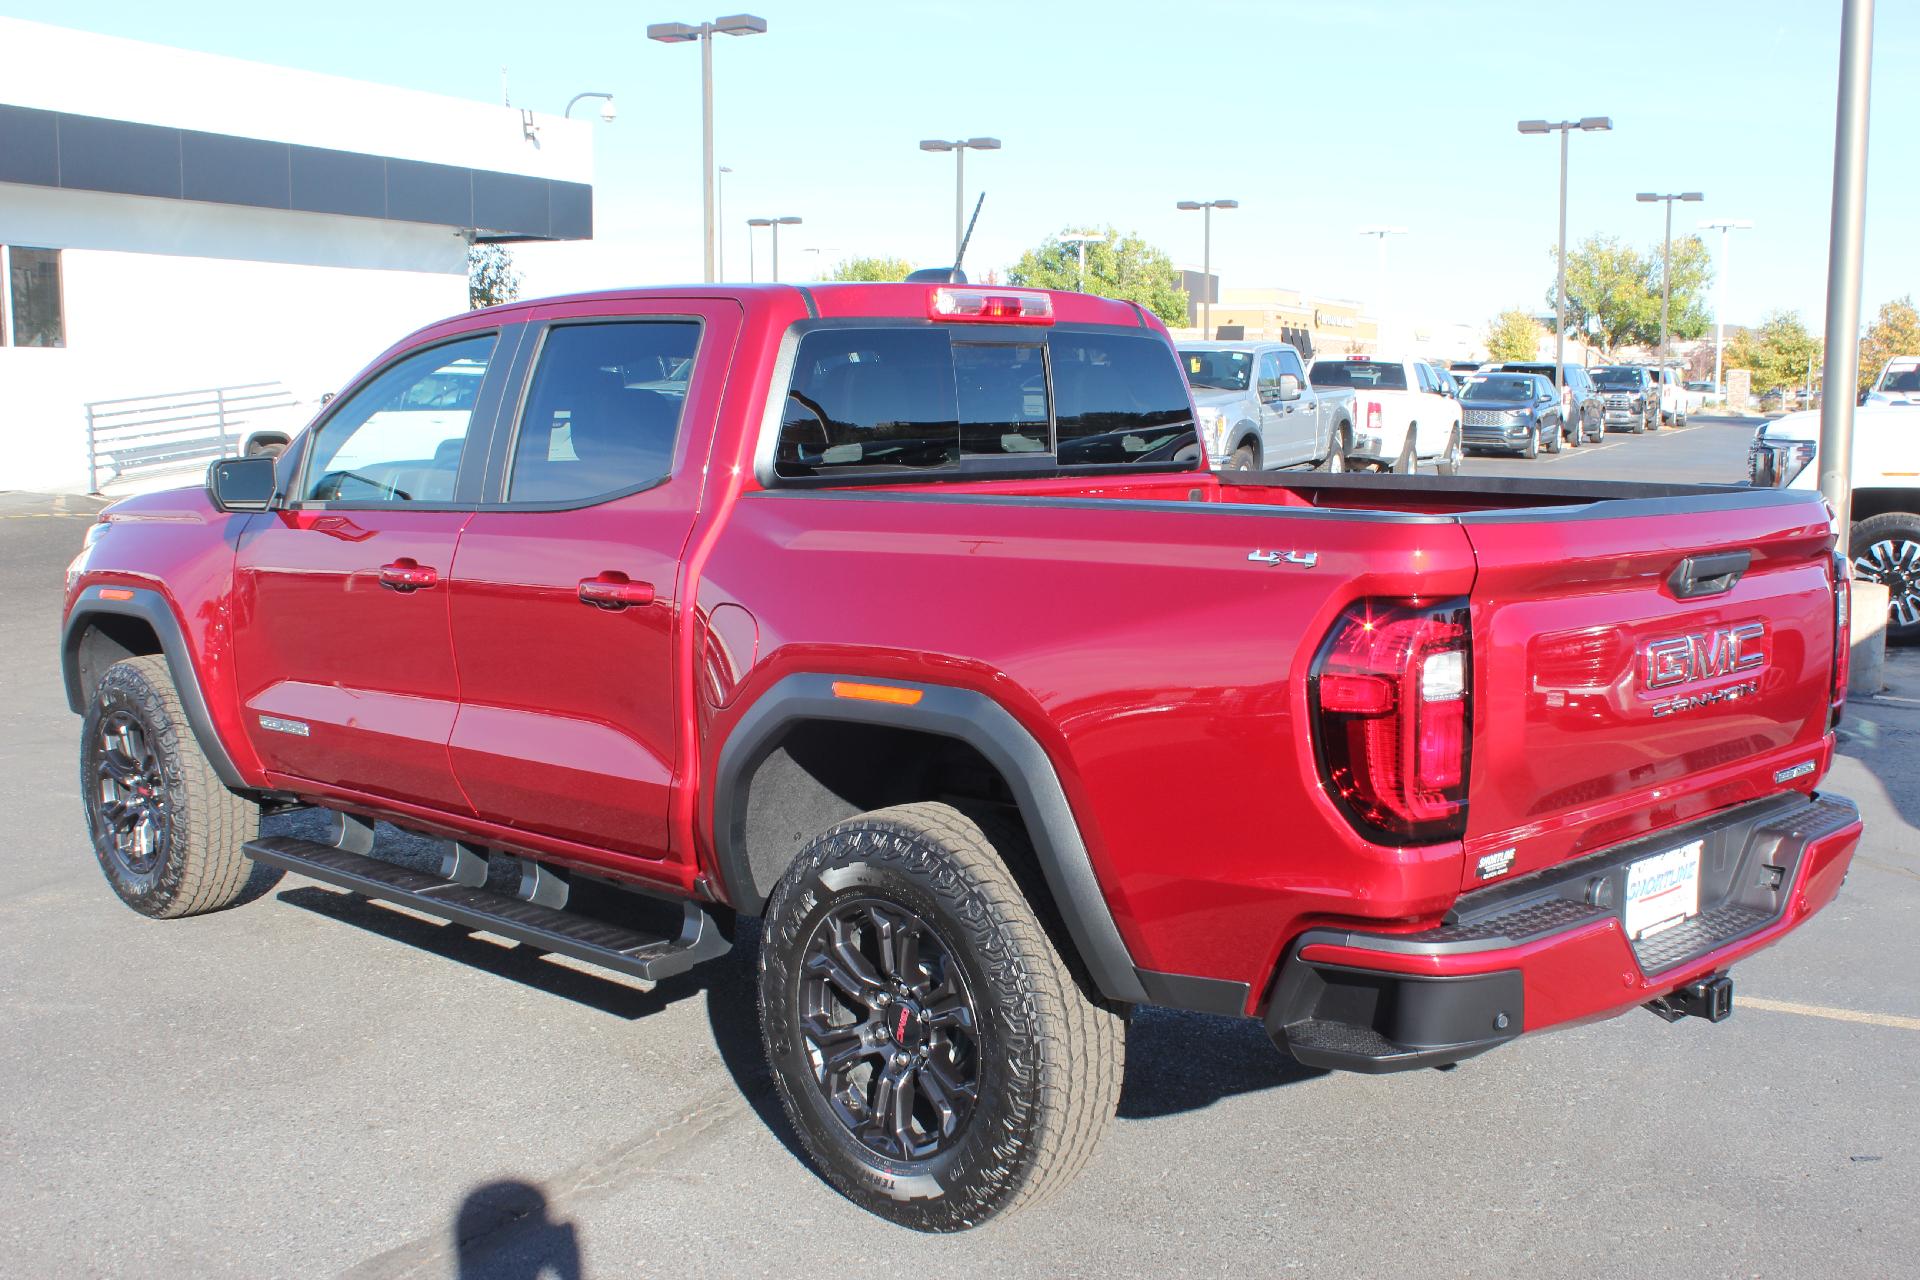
(407,574)
(614,591)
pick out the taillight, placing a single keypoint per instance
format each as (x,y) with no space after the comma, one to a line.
(1842,638)
(1017,306)
(1373,416)
(1389,693)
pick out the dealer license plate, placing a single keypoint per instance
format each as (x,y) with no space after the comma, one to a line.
(1663,891)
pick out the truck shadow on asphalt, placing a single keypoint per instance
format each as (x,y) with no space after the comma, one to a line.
(1176,1061)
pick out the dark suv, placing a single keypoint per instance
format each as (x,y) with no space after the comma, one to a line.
(1580,403)
(1630,398)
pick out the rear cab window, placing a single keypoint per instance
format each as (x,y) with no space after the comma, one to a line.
(875,399)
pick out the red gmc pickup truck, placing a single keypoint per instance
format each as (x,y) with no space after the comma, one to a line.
(908,619)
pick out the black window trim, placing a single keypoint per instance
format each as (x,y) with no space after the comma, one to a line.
(486,406)
(506,435)
(977,467)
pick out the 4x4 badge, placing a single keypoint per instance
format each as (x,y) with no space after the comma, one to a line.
(1305,559)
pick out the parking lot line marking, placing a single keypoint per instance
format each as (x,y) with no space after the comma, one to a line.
(1836,1015)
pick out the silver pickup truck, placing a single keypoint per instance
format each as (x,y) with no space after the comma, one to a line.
(1257,410)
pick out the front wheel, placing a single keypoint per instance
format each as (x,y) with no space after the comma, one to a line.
(941,1063)
(1886,549)
(1559,438)
(167,832)
(1454,458)
(1532,450)
(1243,459)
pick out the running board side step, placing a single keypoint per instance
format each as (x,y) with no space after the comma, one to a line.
(638,955)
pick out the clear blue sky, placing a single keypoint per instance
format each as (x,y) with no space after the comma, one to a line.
(1320,118)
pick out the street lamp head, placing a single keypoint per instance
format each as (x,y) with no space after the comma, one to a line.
(741,24)
(935,144)
(1692,197)
(759,222)
(1646,197)
(724,169)
(1224,204)
(1383,231)
(672,32)
(1596,124)
(1534,126)
(1188,204)
(787,222)
(984,144)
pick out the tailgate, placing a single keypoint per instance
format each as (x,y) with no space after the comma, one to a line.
(1612,699)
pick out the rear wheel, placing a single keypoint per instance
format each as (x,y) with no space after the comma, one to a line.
(167,832)
(1336,460)
(1407,463)
(1886,549)
(1450,462)
(941,1063)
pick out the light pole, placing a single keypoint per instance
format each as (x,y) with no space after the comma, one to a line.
(1206,208)
(1840,367)
(720,222)
(1080,241)
(739,24)
(1380,235)
(1666,254)
(776,224)
(1723,226)
(606,105)
(1586,124)
(960,147)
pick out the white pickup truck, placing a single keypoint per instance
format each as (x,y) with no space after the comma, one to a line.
(1886,494)
(1898,383)
(1405,411)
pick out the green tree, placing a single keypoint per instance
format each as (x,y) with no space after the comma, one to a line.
(872,269)
(491,279)
(1778,353)
(1514,335)
(1613,292)
(1118,266)
(1895,333)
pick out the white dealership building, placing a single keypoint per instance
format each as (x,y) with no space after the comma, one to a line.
(176,222)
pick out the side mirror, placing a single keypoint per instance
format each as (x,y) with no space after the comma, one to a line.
(1289,387)
(242,484)
(1861,398)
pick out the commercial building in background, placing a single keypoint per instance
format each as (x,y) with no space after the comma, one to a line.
(175,222)
(1313,324)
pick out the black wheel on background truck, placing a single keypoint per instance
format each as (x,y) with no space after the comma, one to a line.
(940,1061)
(1886,549)
(1336,460)
(167,832)
(1243,459)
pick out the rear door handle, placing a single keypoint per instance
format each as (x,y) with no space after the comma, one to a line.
(407,574)
(614,591)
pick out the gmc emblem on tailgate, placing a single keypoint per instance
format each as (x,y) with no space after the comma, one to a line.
(1704,655)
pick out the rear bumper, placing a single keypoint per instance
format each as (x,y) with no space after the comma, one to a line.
(1550,949)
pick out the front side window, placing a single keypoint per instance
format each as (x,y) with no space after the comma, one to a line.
(35,317)
(603,411)
(1269,375)
(892,398)
(399,438)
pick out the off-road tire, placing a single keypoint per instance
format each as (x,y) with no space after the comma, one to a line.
(1243,459)
(198,867)
(1050,1055)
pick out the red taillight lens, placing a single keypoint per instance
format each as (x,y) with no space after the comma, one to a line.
(1373,416)
(1390,690)
(1842,637)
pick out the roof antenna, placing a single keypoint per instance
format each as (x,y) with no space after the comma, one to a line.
(952,274)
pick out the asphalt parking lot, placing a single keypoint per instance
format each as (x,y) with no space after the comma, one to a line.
(311,1084)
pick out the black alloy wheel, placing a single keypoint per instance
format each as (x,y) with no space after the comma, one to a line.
(1886,549)
(131,815)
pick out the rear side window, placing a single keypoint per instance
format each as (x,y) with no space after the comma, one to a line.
(879,399)
(603,410)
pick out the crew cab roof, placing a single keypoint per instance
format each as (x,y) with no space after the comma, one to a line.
(838,301)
